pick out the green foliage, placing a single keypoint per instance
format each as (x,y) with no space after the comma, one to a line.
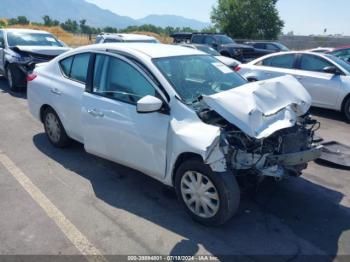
(2,24)
(70,26)
(248,19)
(22,20)
(49,22)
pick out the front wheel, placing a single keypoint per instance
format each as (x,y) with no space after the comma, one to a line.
(13,78)
(347,109)
(210,198)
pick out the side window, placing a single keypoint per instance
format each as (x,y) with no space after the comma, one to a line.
(119,80)
(259,46)
(343,54)
(313,63)
(80,67)
(209,40)
(197,39)
(281,61)
(272,47)
(66,65)
(111,40)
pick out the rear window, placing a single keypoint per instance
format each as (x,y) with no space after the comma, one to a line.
(76,67)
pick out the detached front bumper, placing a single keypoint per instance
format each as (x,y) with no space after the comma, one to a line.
(295,159)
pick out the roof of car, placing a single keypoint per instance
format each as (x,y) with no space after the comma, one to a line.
(129,37)
(341,48)
(20,30)
(149,49)
(286,53)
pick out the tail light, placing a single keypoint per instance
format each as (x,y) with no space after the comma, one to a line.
(31,77)
(237,68)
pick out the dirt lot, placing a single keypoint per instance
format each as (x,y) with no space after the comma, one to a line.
(121,212)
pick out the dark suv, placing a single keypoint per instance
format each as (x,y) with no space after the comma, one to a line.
(266,48)
(225,45)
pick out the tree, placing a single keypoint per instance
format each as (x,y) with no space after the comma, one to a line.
(70,26)
(47,20)
(22,20)
(2,23)
(248,19)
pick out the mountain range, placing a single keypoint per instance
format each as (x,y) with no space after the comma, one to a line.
(63,10)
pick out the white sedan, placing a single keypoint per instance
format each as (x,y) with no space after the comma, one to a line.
(325,77)
(178,115)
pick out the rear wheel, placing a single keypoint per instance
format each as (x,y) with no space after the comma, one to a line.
(347,109)
(54,129)
(210,198)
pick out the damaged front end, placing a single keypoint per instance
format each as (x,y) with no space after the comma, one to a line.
(275,138)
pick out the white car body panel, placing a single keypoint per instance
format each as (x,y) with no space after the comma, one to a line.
(326,90)
(227,60)
(261,108)
(152,143)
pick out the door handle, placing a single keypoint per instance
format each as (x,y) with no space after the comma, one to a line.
(95,113)
(56,91)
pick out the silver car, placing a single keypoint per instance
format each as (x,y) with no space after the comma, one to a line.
(325,77)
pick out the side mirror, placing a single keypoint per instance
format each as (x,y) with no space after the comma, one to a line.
(332,70)
(149,104)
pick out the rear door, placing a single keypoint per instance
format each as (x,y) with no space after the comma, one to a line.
(67,91)
(113,129)
(324,88)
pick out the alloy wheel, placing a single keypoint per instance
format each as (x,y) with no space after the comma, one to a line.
(200,194)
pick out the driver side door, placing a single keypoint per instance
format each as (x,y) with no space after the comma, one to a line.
(113,129)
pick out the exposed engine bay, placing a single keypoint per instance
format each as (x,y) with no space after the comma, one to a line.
(284,153)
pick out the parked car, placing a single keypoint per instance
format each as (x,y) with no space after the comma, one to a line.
(224,44)
(21,49)
(265,48)
(127,38)
(326,77)
(177,115)
(341,52)
(230,62)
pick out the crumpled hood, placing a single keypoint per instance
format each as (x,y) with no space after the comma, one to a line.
(44,50)
(261,108)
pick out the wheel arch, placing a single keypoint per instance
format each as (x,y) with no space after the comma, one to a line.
(347,97)
(181,159)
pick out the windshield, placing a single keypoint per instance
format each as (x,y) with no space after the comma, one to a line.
(223,39)
(198,75)
(345,65)
(31,39)
(208,50)
(282,47)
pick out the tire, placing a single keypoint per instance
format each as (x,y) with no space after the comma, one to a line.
(54,129)
(13,78)
(223,188)
(346,109)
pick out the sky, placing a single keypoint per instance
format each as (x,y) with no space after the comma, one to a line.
(300,16)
